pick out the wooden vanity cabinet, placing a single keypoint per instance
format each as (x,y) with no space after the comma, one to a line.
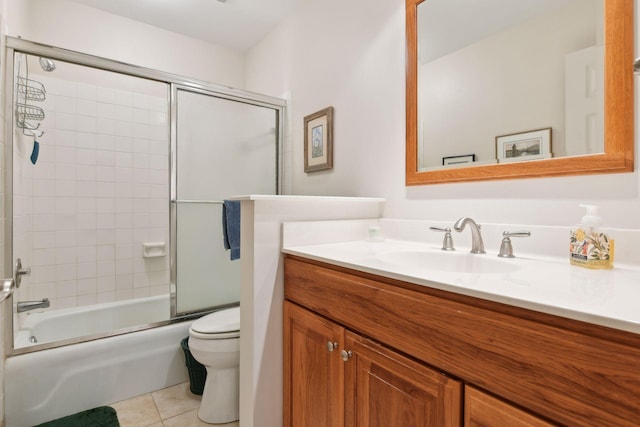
(336,378)
(514,363)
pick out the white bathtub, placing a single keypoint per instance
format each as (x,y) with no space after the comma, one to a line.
(48,384)
(57,325)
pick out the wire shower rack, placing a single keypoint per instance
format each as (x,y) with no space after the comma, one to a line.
(29,116)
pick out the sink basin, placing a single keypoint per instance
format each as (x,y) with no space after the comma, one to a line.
(452,262)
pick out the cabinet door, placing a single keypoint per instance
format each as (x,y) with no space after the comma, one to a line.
(482,410)
(385,389)
(313,370)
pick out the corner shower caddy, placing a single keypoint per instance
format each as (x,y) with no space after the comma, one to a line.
(29,116)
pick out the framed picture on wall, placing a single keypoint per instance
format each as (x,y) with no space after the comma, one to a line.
(519,147)
(318,140)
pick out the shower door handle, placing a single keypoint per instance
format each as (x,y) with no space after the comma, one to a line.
(20,272)
(7,286)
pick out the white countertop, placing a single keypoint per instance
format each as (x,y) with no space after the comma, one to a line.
(605,297)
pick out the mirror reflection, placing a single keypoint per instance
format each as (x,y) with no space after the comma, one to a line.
(502,81)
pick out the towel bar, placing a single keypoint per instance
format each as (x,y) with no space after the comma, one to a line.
(213,202)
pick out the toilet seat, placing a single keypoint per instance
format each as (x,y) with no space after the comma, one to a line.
(223,324)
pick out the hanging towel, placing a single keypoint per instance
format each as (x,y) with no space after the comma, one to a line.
(34,152)
(231,227)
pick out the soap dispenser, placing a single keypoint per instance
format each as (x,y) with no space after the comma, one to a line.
(590,245)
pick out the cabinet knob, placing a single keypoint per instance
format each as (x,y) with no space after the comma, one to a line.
(346,354)
(332,346)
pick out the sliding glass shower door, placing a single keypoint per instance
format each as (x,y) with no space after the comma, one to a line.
(89,162)
(223,147)
(115,177)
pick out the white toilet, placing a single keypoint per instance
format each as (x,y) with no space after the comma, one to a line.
(214,341)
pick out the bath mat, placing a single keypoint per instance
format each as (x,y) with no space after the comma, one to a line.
(102,416)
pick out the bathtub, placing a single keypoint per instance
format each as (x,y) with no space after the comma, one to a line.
(58,325)
(48,384)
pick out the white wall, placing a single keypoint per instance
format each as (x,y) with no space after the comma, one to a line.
(352,55)
(16,15)
(77,27)
(3,307)
(320,57)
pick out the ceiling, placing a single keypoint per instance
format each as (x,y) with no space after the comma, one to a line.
(240,24)
(237,24)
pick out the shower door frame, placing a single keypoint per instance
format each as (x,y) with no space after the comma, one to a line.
(175,87)
(16,45)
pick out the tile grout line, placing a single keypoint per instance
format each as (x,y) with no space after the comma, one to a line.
(156,399)
(155,404)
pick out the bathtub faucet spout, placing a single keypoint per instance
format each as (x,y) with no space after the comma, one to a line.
(32,305)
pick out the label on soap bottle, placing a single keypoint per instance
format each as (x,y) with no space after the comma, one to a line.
(591,249)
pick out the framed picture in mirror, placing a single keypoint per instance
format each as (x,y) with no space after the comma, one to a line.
(523,146)
(318,140)
(458,160)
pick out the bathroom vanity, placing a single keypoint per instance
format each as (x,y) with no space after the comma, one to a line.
(365,349)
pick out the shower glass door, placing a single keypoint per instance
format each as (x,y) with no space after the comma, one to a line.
(90,187)
(224,147)
(115,177)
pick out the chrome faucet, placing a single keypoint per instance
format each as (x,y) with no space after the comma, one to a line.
(32,305)
(477,245)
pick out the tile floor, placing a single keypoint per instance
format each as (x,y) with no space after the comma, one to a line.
(170,407)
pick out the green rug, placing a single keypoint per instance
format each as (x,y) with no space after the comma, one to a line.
(102,416)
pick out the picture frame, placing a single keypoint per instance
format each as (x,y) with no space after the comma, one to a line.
(457,160)
(318,140)
(524,146)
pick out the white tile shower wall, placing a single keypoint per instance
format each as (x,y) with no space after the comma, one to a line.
(100,190)
(22,204)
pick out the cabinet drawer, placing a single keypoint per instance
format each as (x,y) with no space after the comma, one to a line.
(565,370)
(480,410)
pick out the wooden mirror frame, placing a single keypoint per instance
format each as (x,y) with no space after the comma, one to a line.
(618,112)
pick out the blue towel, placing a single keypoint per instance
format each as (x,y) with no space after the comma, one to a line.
(34,152)
(231,227)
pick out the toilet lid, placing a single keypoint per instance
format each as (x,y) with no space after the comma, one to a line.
(219,322)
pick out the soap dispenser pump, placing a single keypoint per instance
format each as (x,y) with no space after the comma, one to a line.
(590,246)
(591,220)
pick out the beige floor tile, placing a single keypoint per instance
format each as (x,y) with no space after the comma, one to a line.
(157,425)
(137,412)
(190,419)
(175,400)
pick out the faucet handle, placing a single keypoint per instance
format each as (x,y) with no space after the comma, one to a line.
(506,249)
(447,242)
(20,272)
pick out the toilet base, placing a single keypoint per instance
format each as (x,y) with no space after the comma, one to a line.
(220,400)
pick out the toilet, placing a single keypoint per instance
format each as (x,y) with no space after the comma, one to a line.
(214,341)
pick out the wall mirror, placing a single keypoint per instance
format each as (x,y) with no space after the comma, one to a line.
(500,89)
